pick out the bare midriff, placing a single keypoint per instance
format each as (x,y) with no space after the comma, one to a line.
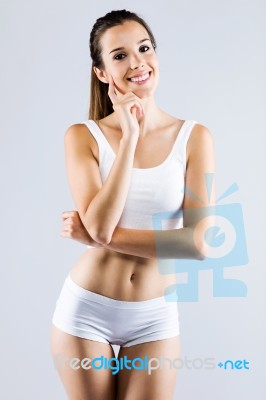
(121,276)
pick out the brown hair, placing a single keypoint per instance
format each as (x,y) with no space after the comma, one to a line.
(100,103)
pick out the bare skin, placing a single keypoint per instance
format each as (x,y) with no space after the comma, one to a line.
(144,140)
(117,275)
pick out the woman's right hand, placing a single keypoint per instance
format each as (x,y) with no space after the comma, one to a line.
(73,228)
(127,107)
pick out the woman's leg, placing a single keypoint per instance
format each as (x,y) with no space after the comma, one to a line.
(160,383)
(82,383)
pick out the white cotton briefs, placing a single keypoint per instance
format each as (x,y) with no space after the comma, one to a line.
(90,315)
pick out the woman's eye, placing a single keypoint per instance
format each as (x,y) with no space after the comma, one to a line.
(144,47)
(118,56)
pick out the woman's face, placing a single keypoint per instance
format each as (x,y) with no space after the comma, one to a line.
(127,52)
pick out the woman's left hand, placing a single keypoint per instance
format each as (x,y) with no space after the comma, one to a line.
(73,228)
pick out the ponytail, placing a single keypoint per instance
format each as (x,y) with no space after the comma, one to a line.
(100,104)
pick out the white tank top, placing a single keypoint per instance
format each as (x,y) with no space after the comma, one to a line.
(156,194)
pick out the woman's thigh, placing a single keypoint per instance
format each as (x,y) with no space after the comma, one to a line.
(70,356)
(156,383)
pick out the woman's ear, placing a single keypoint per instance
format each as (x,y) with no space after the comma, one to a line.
(101,75)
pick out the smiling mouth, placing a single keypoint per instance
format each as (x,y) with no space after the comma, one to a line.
(140,79)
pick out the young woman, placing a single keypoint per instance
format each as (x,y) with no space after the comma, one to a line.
(127,167)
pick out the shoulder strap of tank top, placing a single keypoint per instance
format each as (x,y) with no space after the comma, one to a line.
(105,152)
(181,142)
(95,131)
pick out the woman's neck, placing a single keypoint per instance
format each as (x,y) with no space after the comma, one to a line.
(152,118)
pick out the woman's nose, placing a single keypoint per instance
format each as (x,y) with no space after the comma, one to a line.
(136,61)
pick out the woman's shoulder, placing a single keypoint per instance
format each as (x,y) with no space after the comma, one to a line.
(200,136)
(76,129)
(79,135)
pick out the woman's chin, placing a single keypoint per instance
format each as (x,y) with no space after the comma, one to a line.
(142,94)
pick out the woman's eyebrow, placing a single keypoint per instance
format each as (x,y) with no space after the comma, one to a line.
(122,48)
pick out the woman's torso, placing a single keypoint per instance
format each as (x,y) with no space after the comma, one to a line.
(121,276)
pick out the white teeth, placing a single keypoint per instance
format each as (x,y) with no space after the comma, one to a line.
(140,78)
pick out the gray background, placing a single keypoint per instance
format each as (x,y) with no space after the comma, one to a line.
(212,58)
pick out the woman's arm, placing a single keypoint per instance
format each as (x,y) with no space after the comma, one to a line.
(185,243)
(100,205)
